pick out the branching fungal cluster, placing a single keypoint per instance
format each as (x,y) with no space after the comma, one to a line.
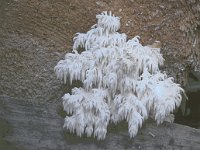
(121,81)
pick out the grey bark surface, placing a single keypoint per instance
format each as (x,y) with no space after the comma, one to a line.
(38,126)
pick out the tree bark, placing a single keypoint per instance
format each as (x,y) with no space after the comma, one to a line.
(39,126)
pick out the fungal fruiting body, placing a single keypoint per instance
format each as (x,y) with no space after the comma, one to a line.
(121,81)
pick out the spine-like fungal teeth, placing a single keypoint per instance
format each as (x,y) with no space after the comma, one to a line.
(121,81)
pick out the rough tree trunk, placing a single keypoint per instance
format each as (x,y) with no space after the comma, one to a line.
(38,126)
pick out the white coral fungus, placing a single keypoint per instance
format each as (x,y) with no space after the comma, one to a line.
(121,81)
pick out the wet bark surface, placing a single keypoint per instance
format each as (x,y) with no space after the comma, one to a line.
(35,35)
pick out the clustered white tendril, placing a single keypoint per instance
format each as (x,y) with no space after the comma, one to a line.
(121,81)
